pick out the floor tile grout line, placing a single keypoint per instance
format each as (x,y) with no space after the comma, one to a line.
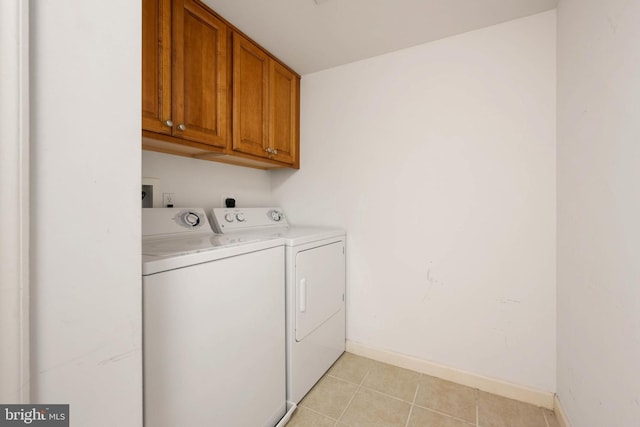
(385,394)
(413,402)
(352,397)
(471,423)
(341,379)
(477,408)
(317,413)
(415,396)
(361,385)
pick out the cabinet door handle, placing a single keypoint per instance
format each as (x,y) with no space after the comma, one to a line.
(268,150)
(302,304)
(181,126)
(275,152)
(168,123)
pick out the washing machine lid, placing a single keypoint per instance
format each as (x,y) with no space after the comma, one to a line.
(182,245)
(179,237)
(173,253)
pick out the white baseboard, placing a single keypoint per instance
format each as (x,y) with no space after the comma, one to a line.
(491,385)
(561,416)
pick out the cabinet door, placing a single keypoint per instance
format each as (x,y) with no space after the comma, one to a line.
(250,97)
(156,65)
(283,113)
(199,74)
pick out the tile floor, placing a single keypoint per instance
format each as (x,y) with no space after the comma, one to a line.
(360,392)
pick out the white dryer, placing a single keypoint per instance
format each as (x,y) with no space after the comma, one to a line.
(315,289)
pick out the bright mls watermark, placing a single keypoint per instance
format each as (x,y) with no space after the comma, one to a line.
(34,415)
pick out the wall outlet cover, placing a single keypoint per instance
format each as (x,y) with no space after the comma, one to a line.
(168,200)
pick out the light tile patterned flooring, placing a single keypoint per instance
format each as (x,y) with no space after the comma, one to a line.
(360,392)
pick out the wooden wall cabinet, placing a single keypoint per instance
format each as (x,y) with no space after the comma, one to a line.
(184,72)
(265,104)
(206,97)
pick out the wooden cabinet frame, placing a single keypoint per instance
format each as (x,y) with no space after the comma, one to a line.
(249,114)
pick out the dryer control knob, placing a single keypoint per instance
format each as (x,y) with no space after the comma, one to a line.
(240,217)
(228,217)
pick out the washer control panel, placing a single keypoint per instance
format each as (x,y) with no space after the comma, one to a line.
(178,221)
(225,220)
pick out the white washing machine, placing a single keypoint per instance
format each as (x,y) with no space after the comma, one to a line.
(213,317)
(315,289)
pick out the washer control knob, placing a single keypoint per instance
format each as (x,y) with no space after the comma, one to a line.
(228,217)
(240,217)
(188,219)
(192,219)
(275,215)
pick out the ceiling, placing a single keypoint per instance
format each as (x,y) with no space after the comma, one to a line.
(311,37)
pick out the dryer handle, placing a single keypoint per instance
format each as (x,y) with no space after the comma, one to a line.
(302,295)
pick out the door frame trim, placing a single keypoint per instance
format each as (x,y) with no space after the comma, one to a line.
(14,206)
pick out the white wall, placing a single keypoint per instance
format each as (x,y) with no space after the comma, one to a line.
(599,211)
(201,183)
(439,160)
(86,293)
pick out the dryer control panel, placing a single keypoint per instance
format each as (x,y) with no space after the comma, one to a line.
(226,220)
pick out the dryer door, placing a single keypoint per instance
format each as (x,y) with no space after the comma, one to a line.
(320,284)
